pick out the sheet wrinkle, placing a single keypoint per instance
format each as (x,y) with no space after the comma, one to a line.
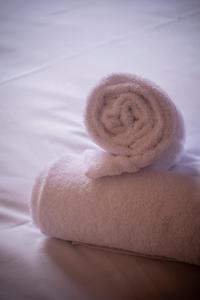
(68,10)
(155,27)
(52,63)
(8,175)
(15,226)
(177,19)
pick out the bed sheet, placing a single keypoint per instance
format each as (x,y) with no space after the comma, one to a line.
(51,54)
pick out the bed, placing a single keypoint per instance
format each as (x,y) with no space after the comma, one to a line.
(51,55)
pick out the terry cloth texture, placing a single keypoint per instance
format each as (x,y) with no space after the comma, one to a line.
(151,212)
(135,123)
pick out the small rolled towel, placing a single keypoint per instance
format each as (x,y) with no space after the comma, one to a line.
(152,212)
(135,122)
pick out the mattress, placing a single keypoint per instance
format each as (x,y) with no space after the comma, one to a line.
(51,55)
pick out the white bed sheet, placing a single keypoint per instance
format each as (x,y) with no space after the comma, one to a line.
(51,54)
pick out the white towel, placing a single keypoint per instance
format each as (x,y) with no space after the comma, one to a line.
(135,122)
(151,212)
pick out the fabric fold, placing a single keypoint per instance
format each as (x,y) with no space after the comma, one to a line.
(135,124)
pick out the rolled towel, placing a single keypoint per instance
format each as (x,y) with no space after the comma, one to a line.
(135,122)
(160,220)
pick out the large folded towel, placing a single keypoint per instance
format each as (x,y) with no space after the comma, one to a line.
(152,212)
(135,122)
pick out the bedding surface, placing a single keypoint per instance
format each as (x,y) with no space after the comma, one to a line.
(51,55)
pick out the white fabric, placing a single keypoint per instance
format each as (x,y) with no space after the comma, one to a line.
(51,55)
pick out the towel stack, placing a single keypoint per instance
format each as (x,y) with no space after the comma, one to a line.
(125,194)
